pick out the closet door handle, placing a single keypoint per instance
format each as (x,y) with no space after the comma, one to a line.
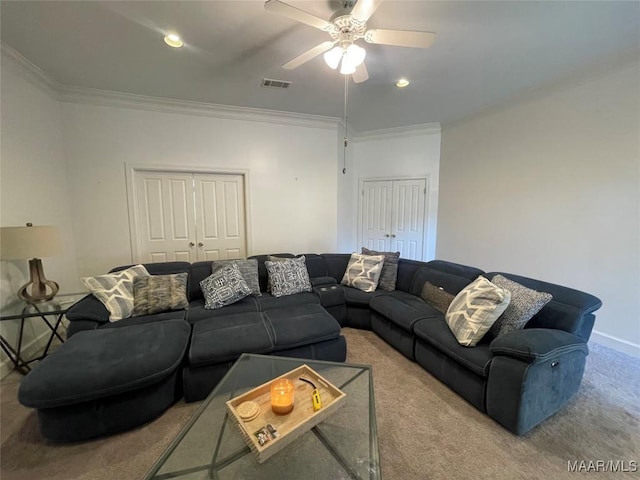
(393,235)
(191,244)
(200,244)
(386,235)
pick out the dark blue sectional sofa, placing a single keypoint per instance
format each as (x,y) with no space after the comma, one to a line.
(519,379)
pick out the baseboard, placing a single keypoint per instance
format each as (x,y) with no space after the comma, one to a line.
(32,349)
(616,343)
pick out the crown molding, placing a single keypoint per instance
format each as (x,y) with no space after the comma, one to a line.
(107,98)
(29,71)
(398,132)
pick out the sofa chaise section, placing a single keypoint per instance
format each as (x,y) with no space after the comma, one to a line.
(105,381)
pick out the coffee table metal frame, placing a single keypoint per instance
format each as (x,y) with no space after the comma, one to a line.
(220,461)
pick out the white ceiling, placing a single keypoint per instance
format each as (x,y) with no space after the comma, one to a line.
(485,52)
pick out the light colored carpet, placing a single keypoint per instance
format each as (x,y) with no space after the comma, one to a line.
(425,430)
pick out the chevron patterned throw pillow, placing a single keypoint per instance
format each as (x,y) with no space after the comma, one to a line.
(475,309)
(363,272)
(115,290)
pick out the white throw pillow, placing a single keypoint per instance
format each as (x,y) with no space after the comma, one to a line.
(115,290)
(363,272)
(475,309)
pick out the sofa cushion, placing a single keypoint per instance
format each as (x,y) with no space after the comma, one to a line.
(402,308)
(437,297)
(299,325)
(336,264)
(525,303)
(144,319)
(199,271)
(225,338)
(449,282)
(248,269)
(115,290)
(406,271)
(357,298)
(389,273)
(101,363)
(436,333)
(475,309)
(159,293)
(288,276)
(363,272)
(269,302)
(316,265)
(197,312)
(224,287)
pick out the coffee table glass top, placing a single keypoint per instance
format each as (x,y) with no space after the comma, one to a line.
(342,447)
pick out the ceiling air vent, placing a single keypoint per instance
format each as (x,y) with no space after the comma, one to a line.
(269,82)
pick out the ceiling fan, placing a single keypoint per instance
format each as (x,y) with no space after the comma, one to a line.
(345,27)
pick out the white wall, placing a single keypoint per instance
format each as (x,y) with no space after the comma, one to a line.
(292,172)
(397,153)
(550,188)
(33,188)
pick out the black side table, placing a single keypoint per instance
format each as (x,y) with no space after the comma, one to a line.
(22,311)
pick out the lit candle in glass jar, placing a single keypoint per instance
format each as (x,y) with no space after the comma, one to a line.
(282,395)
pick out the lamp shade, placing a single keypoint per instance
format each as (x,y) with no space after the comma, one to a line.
(18,243)
(333,57)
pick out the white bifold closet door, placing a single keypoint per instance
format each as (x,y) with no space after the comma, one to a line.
(189,216)
(392,216)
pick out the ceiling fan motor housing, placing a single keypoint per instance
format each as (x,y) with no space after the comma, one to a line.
(347,31)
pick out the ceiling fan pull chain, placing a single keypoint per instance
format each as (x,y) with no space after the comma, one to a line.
(346,128)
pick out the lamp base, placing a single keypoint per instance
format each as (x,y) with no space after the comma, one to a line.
(38,284)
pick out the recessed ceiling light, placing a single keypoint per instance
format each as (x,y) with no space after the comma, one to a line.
(173,40)
(403,82)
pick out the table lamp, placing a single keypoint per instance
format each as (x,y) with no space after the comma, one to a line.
(20,243)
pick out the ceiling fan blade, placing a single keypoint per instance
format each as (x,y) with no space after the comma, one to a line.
(361,74)
(364,9)
(400,38)
(308,55)
(281,8)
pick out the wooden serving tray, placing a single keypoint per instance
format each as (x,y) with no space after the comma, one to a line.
(292,425)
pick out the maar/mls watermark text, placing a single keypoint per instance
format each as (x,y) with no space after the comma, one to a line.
(613,466)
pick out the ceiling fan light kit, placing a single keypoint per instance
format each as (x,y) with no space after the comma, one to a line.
(346,27)
(351,57)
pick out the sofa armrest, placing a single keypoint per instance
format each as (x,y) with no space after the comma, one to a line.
(536,345)
(89,308)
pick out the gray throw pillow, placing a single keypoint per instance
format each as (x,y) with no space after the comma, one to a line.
(525,303)
(115,290)
(248,270)
(436,297)
(224,287)
(288,277)
(363,272)
(475,309)
(389,273)
(159,293)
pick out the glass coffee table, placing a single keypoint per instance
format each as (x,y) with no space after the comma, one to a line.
(343,446)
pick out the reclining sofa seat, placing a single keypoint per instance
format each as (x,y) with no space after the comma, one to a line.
(519,378)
